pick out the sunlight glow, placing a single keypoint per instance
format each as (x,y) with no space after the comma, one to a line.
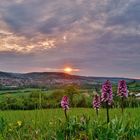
(10,42)
(68,70)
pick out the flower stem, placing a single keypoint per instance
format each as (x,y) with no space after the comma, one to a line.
(65,111)
(97,112)
(107,111)
(122,106)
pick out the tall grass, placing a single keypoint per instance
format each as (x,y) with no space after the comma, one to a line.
(83,124)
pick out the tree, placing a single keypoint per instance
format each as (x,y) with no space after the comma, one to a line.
(70,91)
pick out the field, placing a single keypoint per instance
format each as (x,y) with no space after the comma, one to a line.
(45,116)
(35,114)
(51,124)
(20,92)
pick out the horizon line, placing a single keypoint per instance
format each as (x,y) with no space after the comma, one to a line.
(70,74)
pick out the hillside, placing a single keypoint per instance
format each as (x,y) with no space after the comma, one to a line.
(51,79)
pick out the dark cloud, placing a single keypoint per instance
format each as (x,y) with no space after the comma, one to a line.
(129,16)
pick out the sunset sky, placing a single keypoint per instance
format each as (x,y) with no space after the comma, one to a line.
(92,37)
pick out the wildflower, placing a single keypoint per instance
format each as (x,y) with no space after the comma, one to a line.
(107,96)
(36,131)
(122,89)
(96,102)
(122,92)
(107,92)
(65,103)
(19,123)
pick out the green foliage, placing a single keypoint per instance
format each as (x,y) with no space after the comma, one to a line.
(57,95)
(29,98)
(38,99)
(134,86)
(116,130)
(51,125)
(82,128)
(74,128)
(70,91)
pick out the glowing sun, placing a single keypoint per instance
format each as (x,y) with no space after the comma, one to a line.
(68,70)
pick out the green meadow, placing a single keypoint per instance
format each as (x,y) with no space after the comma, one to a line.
(50,124)
(36,114)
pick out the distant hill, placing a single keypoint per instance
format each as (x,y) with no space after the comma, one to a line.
(51,79)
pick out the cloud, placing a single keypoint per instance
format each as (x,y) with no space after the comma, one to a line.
(99,37)
(128,15)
